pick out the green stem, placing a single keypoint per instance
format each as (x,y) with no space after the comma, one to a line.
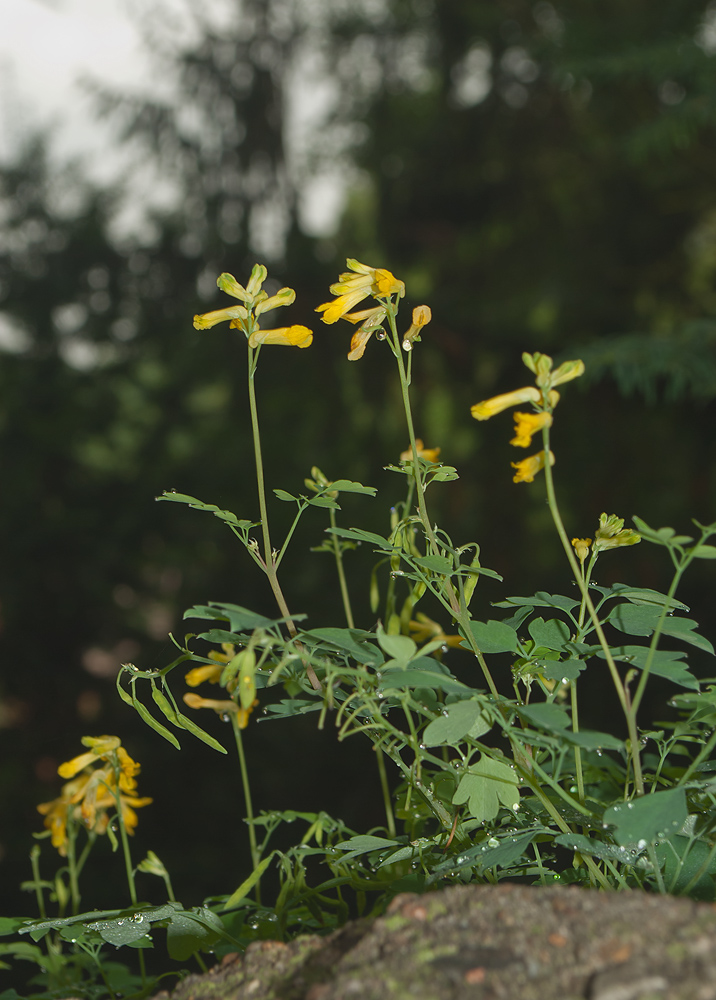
(577,750)
(269,558)
(587,597)
(255,855)
(341,573)
(39,894)
(126,851)
(387,802)
(72,867)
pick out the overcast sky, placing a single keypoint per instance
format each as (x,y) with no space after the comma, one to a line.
(46,46)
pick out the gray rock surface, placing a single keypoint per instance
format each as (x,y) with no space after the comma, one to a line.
(506,942)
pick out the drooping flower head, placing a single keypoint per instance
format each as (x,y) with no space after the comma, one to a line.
(103,782)
(255,301)
(528,468)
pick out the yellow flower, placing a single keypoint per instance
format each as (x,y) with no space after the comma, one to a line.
(90,796)
(528,468)
(429,454)
(222,707)
(209,672)
(421,317)
(254,302)
(612,534)
(527,424)
(287,336)
(489,407)
(424,629)
(207,320)
(581,546)
(351,289)
(370,320)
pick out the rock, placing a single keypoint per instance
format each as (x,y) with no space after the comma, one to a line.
(506,942)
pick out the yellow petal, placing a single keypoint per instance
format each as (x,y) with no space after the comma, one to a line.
(285,336)
(198,675)
(358,343)
(528,468)
(527,424)
(489,407)
(207,320)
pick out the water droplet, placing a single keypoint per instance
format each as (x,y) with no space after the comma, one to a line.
(641,844)
(225,717)
(138,917)
(422,746)
(565,680)
(444,648)
(407,345)
(493,842)
(380,335)
(630,805)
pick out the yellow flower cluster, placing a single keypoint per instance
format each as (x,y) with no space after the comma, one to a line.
(544,397)
(95,791)
(357,284)
(255,302)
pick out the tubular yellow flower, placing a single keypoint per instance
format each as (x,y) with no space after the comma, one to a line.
(490,407)
(611,533)
(207,320)
(429,454)
(527,424)
(528,468)
(222,707)
(198,675)
(351,289)
(284,297)
(581,546)
(286,336)
(421,317)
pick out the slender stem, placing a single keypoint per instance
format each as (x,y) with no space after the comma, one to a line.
(72,866)
(126,851)
(341,573)
(587,597)
(39,894)
(577,750)
(255,855)
(269,558)
(389,817)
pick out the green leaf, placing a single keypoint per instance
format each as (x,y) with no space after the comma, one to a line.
(445,474)
(247,885)
(399,647)
(283,495)
(652,817)
(664,663)
(494,637)
(552,633)
(634,618)
(541,600)
(597,849)
(358,535)
(545,715)
(346,486)
(561,670)
(436,564)
(642,595)
(416,677)
(683,628)
(363,844)
(122,930)
(350,641)
(588,739)
(460,719)
(704,551)
(240,619)
(11,925)
(487,785)
(682,859)
(192,930)
(224,515)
